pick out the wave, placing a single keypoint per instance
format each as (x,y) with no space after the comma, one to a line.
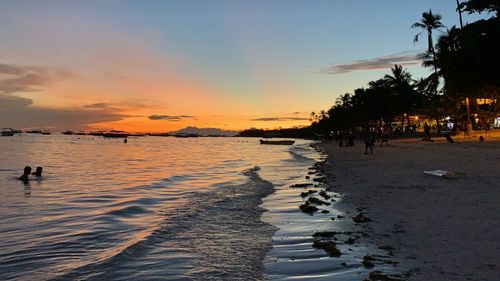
(219,233)
(298,157)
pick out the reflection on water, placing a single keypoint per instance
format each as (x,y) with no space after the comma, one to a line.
(114,210)
(158,208)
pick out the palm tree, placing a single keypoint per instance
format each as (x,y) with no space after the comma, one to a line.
(399,76)
(429,23)
(400,82)
(459,10)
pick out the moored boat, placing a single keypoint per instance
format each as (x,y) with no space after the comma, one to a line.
(277,142)
(7,133)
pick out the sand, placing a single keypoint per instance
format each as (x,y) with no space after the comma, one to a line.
(440,229)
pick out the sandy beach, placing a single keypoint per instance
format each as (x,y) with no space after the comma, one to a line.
(440,229)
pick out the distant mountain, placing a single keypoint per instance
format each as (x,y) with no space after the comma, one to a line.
(205,132)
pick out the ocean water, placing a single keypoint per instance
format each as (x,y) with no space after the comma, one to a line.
(160,209)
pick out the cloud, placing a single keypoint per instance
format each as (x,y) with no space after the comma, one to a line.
(385,62)
(19,112)
(16,78)
(280,119)
(98,105)
(170,117)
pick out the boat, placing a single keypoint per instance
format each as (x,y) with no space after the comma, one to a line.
(7,133)
(34,132)
(67,133)
(277,142)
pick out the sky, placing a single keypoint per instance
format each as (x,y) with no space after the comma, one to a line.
(156,66)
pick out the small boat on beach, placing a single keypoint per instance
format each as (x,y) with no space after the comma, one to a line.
(277,142)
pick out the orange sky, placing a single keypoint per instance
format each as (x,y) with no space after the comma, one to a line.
(126,65)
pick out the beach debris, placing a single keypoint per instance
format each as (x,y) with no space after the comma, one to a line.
(340,217)
(308,177)
(360,218)
(307,208)
(325,211)
(444,174)
(328,246)
(301,185)
(323,194)
(314,200)
(326,234)
(351,240)
(389,249)
(368,261)
(320,179)
(380,276)
(307,193)
(449,139)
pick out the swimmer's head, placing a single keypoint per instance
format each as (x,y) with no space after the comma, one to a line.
(27,170)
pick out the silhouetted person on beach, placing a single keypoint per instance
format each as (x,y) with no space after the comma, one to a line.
(38,172)
(427,132)
(125,140)
(26,174)
(369,141)
(385,136)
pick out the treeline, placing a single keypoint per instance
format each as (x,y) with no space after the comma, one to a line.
(303,133)
(465,64)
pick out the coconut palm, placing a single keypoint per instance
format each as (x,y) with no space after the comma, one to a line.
(429,23)
(403,90)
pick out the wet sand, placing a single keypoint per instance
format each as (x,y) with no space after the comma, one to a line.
(440,229)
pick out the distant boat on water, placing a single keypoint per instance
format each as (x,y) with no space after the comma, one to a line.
(9,132)
(277,142)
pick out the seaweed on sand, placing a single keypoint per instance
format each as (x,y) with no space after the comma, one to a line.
(328,246)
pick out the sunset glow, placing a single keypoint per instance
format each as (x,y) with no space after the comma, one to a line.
(98,65)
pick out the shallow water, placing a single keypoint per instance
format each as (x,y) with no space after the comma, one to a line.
(159,208)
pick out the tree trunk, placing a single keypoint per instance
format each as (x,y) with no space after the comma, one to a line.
(437,123)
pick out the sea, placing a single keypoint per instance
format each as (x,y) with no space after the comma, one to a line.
(164,208)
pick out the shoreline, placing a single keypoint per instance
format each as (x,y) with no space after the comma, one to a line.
(435,228)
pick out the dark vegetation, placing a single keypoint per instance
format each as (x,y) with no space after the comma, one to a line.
(465,69)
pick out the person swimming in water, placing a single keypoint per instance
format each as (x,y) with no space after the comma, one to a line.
(38,172)
(26,174)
